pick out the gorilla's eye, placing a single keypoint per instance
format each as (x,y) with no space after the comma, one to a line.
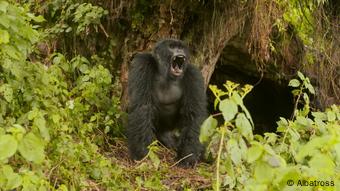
(178,61)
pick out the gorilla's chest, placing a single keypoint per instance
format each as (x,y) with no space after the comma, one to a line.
(168,97)
(169,94)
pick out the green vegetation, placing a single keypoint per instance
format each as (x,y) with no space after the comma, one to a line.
(306,147)
(61,122)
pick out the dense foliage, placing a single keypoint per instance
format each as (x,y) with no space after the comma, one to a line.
(59,115)
(304,152)
(50,114)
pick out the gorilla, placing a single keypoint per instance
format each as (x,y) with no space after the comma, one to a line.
(167,102)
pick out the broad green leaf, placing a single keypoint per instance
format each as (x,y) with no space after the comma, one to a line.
(154,158)
(40,122)
(17,129)
(32,114)
(235,151)
(31,148)
(84,69)
(310,88)
(4,37)
(269,149)
(294,83)
(320,115)
(229,167)
(311,147)
(254,153)
(3,6)
(244,126)
(55,118)
(285,174)
(301,76)
(263,172)
(323,163)
(207,129)
(331,116)
(228,108)
(239,101)
(8,146)
(13,180)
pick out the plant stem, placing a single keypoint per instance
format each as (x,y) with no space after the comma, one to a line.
(219,160)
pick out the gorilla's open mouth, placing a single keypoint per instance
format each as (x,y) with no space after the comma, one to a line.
(177,64)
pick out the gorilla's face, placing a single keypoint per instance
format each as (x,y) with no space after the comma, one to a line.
(172,58)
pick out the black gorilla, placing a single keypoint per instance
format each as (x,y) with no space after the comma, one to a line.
(166,93)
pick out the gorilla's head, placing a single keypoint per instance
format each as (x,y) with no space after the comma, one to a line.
(172,57)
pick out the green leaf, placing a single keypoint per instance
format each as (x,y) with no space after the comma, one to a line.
(235,151)
(13,179)
(3,6)
(84,69)
(244,126)
(8,146)
(301,76)
(229,167)
(310,88)
(263,172)
(7,92)
(207,129)
(154,158)
(228,109)
(331,116)
(285,174)
(239,101)
(4,37)
(323,163)
(254,153)
(294,83)
(40,122)
(55,118)
(311,147)
(37,19)
(12,52)
(32,114)
(31,148)
(320,115)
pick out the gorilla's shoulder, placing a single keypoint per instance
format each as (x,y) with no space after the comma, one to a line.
(143,58)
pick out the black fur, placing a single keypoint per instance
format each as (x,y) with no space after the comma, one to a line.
(149,118)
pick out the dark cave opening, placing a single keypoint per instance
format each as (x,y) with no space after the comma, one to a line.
(267,102)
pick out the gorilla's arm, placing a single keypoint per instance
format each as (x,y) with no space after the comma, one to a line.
(141,109)
(193,112)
